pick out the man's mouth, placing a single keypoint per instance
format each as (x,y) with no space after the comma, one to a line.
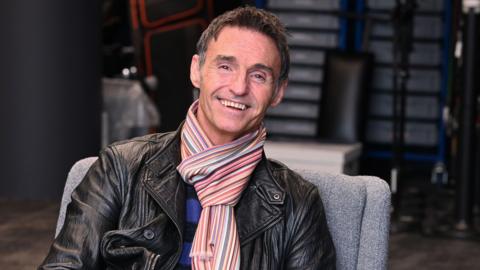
(231,104)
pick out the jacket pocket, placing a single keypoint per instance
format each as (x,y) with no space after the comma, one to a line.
(141,248)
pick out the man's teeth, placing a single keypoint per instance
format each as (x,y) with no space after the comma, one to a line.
(233,104)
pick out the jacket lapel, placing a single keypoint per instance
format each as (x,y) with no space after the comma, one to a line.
(260,205)
(164,183)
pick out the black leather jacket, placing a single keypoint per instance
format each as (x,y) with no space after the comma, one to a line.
(128,213)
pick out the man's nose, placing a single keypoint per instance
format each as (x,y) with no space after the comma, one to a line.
(239,85)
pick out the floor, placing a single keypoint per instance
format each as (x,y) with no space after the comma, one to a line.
(26,231)
(27,227)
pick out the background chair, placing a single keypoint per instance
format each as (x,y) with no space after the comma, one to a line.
(344,99)
(357,210)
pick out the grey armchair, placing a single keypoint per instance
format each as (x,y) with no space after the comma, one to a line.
(357,210)
(358,216)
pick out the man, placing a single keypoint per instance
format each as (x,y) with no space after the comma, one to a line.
(205,196)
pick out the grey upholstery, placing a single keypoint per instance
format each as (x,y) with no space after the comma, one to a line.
(357,210)
(75,176)
(358,216)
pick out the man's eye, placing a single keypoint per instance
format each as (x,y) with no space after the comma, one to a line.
(259,77)
(224,67)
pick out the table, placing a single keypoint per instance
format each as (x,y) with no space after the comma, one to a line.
(333,158)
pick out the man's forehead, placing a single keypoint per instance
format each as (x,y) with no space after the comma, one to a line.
(232,39)
(240,30)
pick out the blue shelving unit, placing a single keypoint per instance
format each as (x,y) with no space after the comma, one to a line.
(435,36)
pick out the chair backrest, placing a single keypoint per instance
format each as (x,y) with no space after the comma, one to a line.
(75,176)
(358,216)
(357,210)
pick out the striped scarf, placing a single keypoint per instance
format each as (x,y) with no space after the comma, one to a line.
(219,174)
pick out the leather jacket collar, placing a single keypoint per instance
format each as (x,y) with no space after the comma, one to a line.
(258,209)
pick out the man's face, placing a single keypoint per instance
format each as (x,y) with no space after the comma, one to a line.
(237,83)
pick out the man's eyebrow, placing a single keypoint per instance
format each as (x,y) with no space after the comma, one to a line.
(233,59)
(264,67)
(225,58)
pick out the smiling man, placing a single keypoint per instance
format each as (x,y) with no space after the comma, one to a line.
(205,196)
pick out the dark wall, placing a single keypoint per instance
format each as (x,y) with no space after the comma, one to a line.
(50,93)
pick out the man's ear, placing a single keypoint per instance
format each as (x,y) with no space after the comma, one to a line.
(279,93)
(195,71)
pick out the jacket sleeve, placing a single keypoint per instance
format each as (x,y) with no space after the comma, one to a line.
(93,211)
(311,244)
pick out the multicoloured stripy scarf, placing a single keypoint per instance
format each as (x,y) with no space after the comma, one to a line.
(219,174)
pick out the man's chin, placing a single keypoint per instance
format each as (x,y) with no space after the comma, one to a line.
(237,132)
(230,132)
